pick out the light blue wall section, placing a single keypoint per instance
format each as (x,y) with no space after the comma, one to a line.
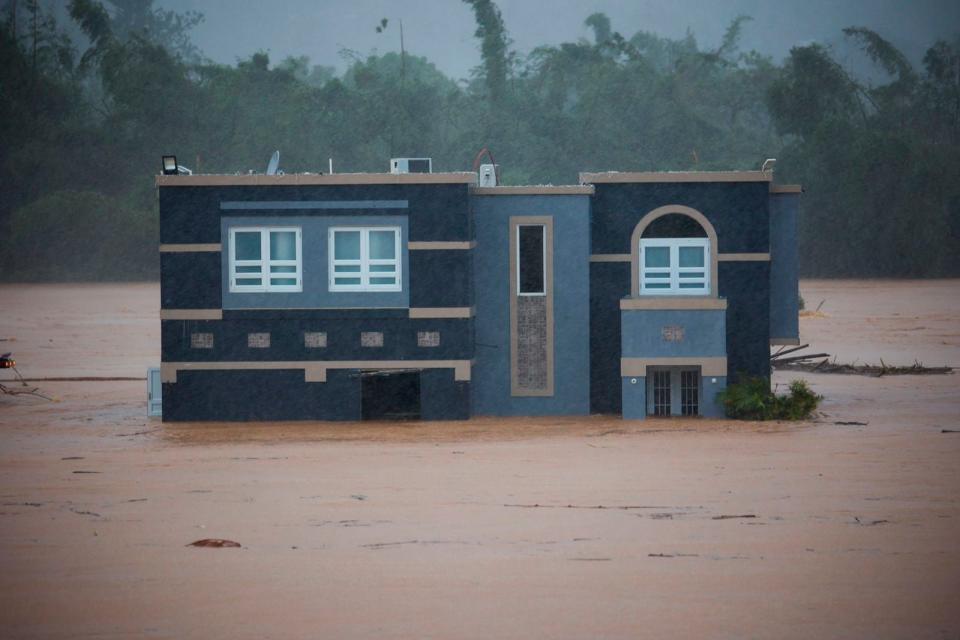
(571,305)
(710,407)
(784,266)
(315,294)
(635,397)
(642,333)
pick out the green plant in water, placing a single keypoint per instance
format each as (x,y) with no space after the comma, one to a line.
(752,399)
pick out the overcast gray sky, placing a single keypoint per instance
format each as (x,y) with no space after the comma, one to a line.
(442,30)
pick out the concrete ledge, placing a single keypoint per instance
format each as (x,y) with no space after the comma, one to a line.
(610,257)
(786,188)
(675,176)
(535,190)
(261,179)
(637,367)
(442,312)
(673,302)
(191,314)
(190,248)
(743,257)
(440,245)
(316,370)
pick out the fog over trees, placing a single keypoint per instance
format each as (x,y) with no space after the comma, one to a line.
(92,96)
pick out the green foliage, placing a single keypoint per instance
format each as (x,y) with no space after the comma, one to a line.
(82,235)
(881,164)
(752,399)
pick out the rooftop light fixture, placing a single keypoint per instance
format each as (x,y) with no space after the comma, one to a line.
(170,165)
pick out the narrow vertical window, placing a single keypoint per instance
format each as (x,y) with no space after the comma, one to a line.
(531,263)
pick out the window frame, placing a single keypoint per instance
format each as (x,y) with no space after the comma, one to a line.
(674,269)
(543,259)
(364,261)
(265,262)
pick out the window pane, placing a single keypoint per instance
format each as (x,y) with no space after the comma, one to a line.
(656,257)
(247,245)
(247,282)
(655,274)
(346,268)
(657,285)
(283,281)
(346,280)
(530,264)
(283,245)
(391,280)
(253,269)
(692,274)
(346,245)
(691,256)
(383,245)
(692,285)
(280,269)
(382,268)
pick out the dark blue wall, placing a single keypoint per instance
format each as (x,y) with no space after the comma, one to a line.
(261,395)
(784,266)
(190,280)
(739,212)
(343,339)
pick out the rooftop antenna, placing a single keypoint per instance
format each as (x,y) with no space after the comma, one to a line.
(274,163)
(768,165)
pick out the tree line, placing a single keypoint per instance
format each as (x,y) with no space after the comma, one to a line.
(89,101)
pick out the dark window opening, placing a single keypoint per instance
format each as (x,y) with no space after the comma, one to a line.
(390,395)
(661,393)
(530,259)
(674,225)
(689,393)
(418,166)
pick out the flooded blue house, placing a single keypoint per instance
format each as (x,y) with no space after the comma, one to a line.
(425,295)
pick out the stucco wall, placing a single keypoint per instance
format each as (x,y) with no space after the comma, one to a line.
(571,253)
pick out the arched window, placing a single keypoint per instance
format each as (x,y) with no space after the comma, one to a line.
(674,254)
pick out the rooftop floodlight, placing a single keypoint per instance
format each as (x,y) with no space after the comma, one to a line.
(170,165)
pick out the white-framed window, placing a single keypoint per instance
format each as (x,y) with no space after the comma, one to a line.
(531,260)
(675,266)
(266,259)
(365,259)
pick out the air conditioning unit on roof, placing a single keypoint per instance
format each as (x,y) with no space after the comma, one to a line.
(411,165)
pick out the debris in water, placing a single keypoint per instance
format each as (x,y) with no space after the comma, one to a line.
(214,543)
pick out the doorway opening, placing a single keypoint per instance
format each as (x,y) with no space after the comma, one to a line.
(390,395)
(673,391)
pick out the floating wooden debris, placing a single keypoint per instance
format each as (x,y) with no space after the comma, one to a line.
(214,543)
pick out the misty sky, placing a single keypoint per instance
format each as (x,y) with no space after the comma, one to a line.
(442,30)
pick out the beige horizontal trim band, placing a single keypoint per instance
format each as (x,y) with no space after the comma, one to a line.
(442,312)
(786,188)
(316,370)
(191,314)
(440,245)
(675,176)
(188,248)
(716,366)
(780,342)
(610,257)
(673,302)
(535,190)
(460,177)
(743,257)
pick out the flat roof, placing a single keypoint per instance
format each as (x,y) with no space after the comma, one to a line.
(531,190)
(675,176)
(295,179)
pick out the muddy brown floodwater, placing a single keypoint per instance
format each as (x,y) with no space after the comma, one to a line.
(485,528)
